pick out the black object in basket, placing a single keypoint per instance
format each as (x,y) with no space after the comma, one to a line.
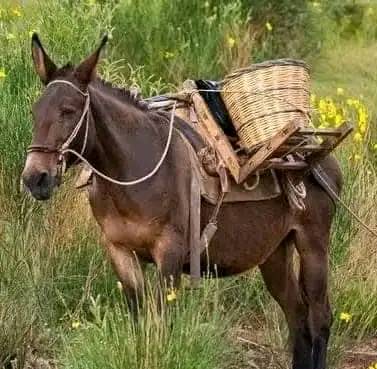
(216,105)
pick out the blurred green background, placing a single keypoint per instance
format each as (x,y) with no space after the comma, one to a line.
(59,303)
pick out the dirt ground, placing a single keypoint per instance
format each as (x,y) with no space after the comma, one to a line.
(361,355)
(254,354)
(261,356)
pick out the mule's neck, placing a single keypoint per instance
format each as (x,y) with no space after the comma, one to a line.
(126,141)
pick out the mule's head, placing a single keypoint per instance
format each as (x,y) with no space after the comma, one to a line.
(55,116)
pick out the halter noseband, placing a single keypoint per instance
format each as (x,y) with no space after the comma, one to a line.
(65,146)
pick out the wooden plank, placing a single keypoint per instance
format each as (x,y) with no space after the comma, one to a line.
(319,131)
(295,140)
(280,164)
(268,149)
(330,144)
(216,136)
(308,147)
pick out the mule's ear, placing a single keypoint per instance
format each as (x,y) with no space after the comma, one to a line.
(44,66)
(86,70)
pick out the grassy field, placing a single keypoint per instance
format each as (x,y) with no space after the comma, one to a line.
(60,306)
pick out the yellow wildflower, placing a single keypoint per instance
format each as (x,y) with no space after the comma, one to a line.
(2,73)
(172,295)
(76,324)
(375,147)
(363,116)
(357,137)
(356,157)
(10,36)
(338,120)
(322,105)
(16,12)
(269,26)
(340,91)
(168,55)
(231,42)
(331,109)
(353,102)
(346,317)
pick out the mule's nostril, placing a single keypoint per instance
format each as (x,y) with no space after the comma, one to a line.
(39,184)
(36,180)
(42,179)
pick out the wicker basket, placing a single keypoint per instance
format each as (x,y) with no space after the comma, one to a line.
(263,98)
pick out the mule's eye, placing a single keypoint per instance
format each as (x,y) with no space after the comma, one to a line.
(67,110)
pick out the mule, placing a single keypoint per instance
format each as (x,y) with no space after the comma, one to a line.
(149,222)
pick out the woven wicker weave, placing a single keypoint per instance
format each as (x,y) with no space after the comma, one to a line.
(263,98)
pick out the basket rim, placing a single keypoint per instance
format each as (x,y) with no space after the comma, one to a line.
(285,62)
(266,91)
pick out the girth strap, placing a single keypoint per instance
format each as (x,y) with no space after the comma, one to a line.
(195,199)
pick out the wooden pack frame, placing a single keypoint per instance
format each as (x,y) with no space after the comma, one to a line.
(310,144)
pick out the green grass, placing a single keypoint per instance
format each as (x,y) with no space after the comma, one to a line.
(52,270)
(190,333)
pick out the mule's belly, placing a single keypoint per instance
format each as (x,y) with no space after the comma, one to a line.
(247,235)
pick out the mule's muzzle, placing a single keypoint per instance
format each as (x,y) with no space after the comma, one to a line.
(40,184)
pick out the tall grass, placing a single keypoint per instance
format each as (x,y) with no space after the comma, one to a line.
(191,333)
(58,296)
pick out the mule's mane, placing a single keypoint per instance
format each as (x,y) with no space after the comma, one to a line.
(123,94)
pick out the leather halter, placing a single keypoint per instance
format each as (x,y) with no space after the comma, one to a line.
(61,150)
(65,147)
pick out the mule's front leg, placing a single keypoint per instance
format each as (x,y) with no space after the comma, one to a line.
(169,253)
(129,272)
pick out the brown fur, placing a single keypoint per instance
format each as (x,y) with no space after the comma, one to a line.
(149,222)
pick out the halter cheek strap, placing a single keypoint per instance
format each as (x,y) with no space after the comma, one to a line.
(63,149)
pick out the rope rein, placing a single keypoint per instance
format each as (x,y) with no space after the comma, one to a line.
(65,147)
(141,179)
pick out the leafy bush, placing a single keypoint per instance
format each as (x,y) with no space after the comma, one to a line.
(357,19)
(286,28)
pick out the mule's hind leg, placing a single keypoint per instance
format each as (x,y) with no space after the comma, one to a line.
(312,245)
(282,283)
(129,272)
